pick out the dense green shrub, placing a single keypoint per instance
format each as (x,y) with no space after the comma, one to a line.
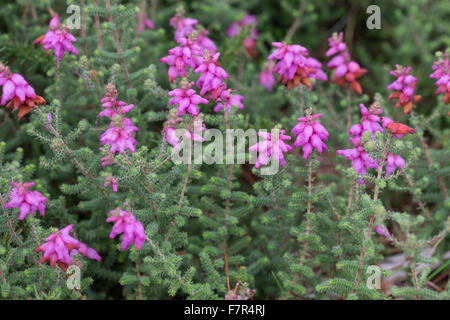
(307,231)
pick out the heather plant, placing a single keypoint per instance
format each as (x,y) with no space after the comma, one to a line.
(120,143)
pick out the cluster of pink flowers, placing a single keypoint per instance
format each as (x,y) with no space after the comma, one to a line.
(193,40)
(347,71)
(227,100)
(266,77)
(183,26)
(58,38)
(60,247)
(111,181)
(186,99)
(125,222)
(111,105)
(170,128)
(18,92)
(204,42)
(359,157)
(250,42)
(394,162)
(212,76)
(187,54)
(370,122)
(26,200)
(294,66)
(441,73)
(404,88)
(273,146)
(191,131)
(310,134)
(145,23)
(119,136)
(383,231)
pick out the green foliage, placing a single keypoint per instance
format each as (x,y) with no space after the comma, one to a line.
(307,231)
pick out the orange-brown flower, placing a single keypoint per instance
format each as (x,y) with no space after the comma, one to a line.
(399,128)
(26,106)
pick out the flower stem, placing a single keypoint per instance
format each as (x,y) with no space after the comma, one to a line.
(372,217)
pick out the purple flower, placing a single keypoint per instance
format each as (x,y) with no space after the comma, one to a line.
(212,76)
(186,99)
(404,88)
(59,248)
(273,146)
(310,134)
(369,121)
(250,42)
(266,77)
(14,85)
(119,136)
(394,162)
(441,73)
(204,42)
(359,157)
(125,222)
(337,45)
(111,105)
(145,23)
(346,70)
(170,127)
(59,39)
(189,53)
(294,66)
(227,100)
(27,201)
(49,119)
(18,92)
(382,230)
(183,26)
(111,181)
(194,132)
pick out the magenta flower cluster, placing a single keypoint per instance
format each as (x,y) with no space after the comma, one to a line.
(27,201)
(273,146)
(187,54)
(404,88)
(441,73)
(266,77)
(227,100)
(211,82)
(125,222)
(235,28)
(186,99)
(59,39)
(119,136)
(60,247)
(294,66)
(310,134)
(14,85)
(347,71)
(212,76)
(361,160)
(145,22)
(110,180)
(369,121)
(18,92)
